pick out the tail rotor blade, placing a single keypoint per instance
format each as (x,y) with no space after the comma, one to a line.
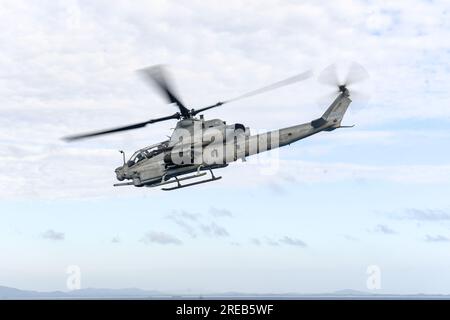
(357,73)
(329,76)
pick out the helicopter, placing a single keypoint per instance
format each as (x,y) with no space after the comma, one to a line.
(198,146)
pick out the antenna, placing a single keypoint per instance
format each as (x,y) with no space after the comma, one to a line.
(123,155)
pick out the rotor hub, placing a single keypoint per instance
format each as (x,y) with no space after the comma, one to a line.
(343,89)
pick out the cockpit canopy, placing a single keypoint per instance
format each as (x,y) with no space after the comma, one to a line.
(147,153)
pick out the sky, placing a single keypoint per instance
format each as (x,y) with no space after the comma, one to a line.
(311,217)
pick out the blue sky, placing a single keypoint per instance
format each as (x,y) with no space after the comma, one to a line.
(339,202)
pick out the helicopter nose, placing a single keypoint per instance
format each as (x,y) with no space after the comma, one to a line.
(120,173)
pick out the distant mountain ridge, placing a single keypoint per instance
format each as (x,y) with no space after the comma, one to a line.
(13,293)
(134,293)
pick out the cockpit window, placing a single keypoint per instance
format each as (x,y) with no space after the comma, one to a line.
(146,153)
(141,156)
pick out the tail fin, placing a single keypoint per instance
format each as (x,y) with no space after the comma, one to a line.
(335,112)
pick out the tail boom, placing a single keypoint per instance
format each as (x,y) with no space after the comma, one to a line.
(329,121)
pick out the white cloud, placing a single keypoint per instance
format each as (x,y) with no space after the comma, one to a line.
(384,229)
(285,240)
(438,238)
(115,239)
(53,235)
(219,212)
(291,171)
(160,238)
(293,241)
(379,22)
(195,224)
(214,230)
(422,215)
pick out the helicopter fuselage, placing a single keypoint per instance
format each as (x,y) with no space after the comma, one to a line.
(197,145)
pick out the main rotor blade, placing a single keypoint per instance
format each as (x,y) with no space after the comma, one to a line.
(196,111)
(300,77)
(157,76)
(129,127)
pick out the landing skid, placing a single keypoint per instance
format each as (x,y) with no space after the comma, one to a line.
(179,185)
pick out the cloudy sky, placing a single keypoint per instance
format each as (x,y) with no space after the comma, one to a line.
(314,221)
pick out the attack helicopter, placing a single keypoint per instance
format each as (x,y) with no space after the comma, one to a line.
(198,146)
